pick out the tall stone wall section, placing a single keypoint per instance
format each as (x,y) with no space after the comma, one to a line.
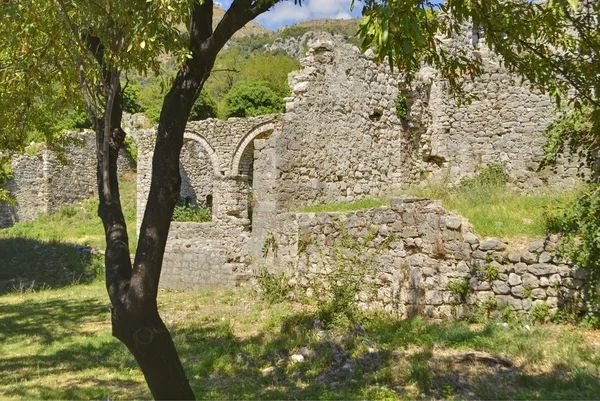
(341,138)
(416,252)
(504,124)
(42,183)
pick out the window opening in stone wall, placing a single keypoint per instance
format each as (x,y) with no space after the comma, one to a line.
(209,203)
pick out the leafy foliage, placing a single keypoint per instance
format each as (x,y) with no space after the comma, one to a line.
(580,226)
(131,94)
(204,107)
(401,106)
(185,212)
(248,99)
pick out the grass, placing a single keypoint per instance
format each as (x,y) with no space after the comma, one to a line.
(496,211)
(78,223)
(56,344)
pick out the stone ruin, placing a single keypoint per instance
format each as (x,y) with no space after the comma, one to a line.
(341,140)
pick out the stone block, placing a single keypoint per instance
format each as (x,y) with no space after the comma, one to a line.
(520,268)
(538,293)
(453,222)
(492,244)
(536,247)
(500,287)
(542,269)
(530,281)
(514,279)
(545,257)
(518,291)
(529,257)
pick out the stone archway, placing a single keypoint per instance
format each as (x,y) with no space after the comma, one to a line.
(239,165)
(212,155)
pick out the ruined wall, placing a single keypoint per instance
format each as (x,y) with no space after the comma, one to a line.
(42,183)
(341,139)
(415,250)
(504,124)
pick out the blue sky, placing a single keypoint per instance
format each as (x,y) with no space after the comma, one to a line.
(287,13)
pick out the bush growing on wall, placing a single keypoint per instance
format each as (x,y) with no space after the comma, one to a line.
(249,99)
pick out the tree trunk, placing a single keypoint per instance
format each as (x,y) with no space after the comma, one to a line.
(133,288)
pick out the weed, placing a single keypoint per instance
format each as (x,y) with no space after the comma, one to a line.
(540,313)
(487,307)
(495,210)
(273,287)
(185,212)
(401,106)
(527,292)
(460,288)
(492,272)
(67,211)
(345,206)
(270,245)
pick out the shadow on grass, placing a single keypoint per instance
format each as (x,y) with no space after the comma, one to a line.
(29,264)
(73,355)
(393,360)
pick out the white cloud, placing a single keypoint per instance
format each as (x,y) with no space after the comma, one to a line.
(284,13)
(287,13)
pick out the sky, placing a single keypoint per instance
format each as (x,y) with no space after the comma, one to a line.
(287,13)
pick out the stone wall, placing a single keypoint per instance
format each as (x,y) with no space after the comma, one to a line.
(341,138)
(42,183)
(214,152)
(504,124)
(415,252)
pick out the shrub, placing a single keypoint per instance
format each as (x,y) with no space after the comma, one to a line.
(401,106)
(460,288)
(131,96)
(273,287)
(249,99)
(184,212)
(204,107)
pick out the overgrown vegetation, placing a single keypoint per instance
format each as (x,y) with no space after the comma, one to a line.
(579,226)
(401,106)
(345,206)
(495,210)
(187,212)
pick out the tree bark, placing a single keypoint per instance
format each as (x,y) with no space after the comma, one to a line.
(133,288)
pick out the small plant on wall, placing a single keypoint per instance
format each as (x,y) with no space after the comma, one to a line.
(401,106)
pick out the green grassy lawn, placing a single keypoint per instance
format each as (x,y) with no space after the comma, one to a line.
(495,211)
(56,344)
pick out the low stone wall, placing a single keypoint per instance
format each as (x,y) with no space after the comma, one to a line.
(205,254)
(418,256)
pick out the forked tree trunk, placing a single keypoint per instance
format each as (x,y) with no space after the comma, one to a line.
(133,288)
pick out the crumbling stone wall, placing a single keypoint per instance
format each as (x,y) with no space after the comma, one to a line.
(504,124)
(341,138)
(42,183)
(418,249)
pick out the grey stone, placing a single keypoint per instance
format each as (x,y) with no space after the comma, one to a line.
(545,257)
(453,223)
(529,257)
(530,281)
(542,269)
(471,238)
(514,279)
(492,244)
(500,287)
(537,247)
